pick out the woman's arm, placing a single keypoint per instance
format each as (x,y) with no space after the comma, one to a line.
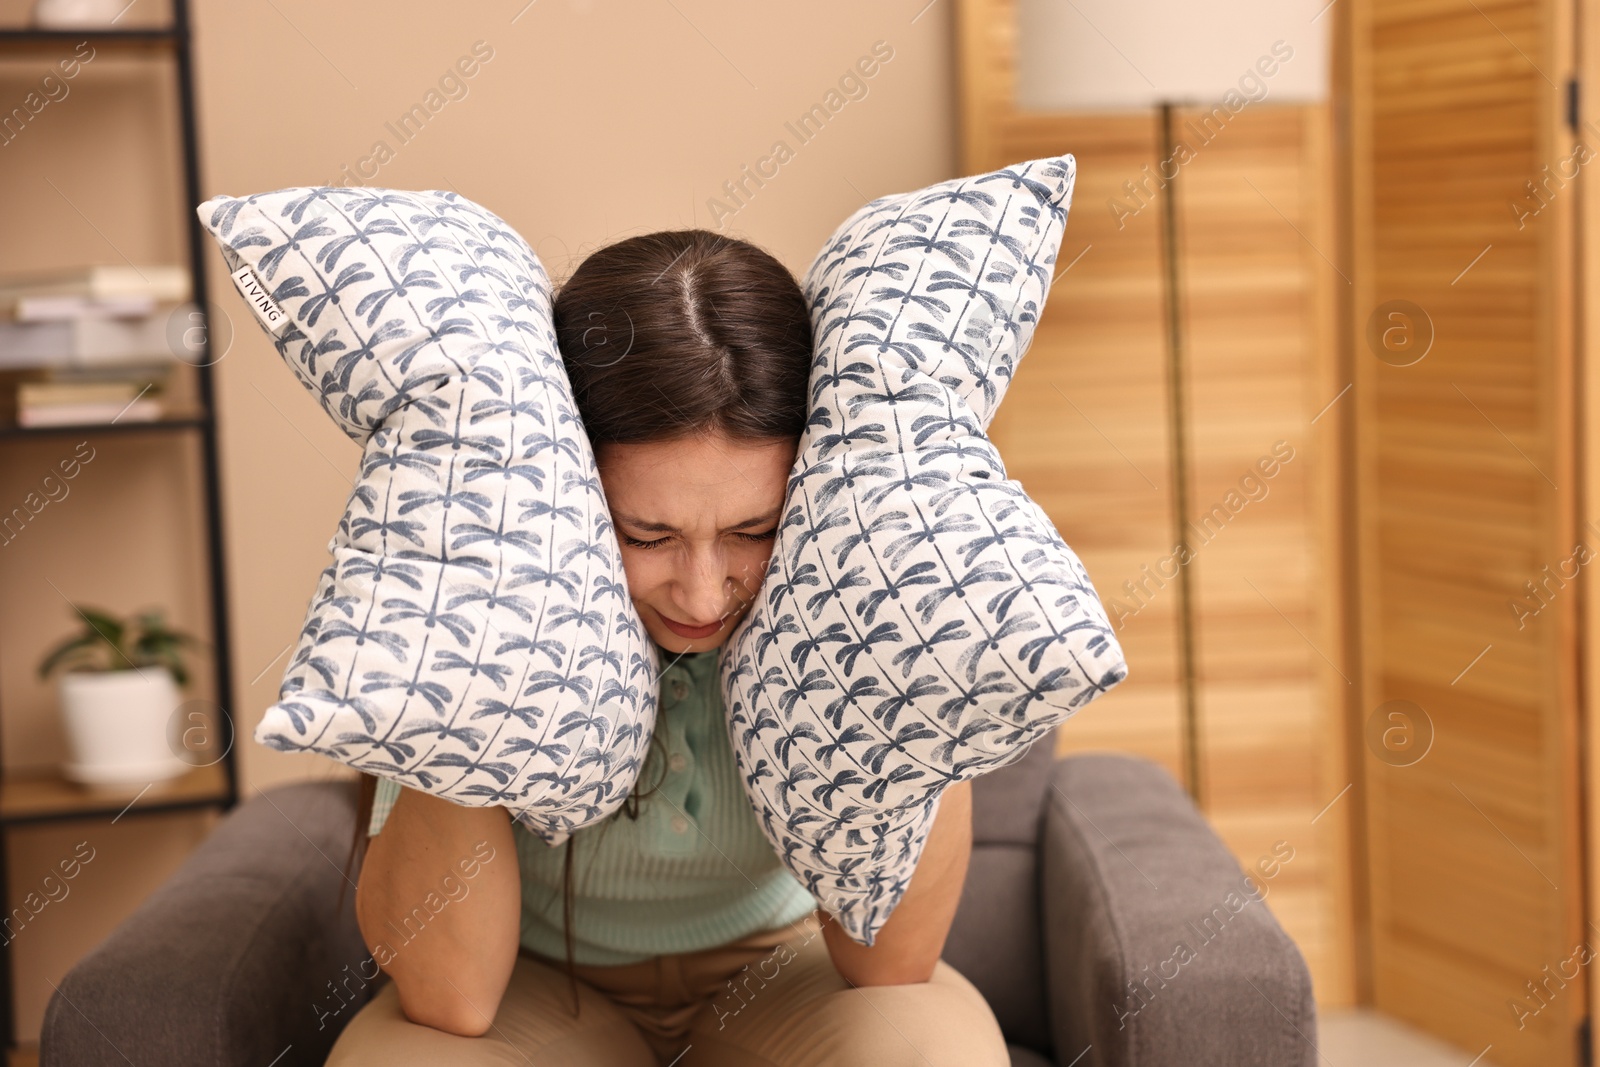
(439,903)
(909,944)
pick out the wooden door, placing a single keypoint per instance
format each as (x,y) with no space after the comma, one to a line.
(1462,314)
(1587,438)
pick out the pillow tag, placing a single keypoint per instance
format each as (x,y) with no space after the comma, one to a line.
(271,316)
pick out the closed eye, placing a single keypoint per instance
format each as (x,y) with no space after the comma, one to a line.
(658,542)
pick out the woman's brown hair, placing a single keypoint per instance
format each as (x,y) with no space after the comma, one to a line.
(669,335)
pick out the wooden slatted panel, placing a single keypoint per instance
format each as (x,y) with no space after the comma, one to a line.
(1254,224)
(1101,465)
(1468,491)
(1084,427)
(1588,441)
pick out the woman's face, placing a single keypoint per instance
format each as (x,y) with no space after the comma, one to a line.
(697,519)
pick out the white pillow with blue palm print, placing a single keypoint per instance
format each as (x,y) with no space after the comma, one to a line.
(473,636)
(921,621)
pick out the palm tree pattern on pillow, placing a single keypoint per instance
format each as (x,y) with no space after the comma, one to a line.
(473,636)
(921,621)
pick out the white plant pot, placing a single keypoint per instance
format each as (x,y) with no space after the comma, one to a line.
(116,724)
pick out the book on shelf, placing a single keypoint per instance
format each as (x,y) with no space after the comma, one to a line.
(142,409)
(162,282)
(66,398)
(55,308)
(91,341)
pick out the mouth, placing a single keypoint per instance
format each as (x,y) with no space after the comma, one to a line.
(683,629)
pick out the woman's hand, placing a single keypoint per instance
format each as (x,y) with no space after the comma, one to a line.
(439,904)
(911,941)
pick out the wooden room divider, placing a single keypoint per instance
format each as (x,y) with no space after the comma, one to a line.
(1376,652)
(1179,418)
(1462,326)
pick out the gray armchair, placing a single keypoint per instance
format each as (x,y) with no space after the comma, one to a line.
(1086,875)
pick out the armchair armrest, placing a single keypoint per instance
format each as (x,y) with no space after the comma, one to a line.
(241,956)
(1159,950)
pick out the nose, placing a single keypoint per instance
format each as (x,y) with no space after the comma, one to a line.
(707,590)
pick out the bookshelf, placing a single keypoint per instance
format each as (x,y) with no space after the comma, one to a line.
(30,798)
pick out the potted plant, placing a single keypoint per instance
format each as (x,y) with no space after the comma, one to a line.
(119,682)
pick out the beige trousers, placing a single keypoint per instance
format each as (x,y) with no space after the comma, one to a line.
(773,998)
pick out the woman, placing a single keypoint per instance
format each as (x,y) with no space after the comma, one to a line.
(670,932)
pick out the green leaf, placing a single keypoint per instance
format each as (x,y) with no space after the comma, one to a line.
(104,623)
(70,649)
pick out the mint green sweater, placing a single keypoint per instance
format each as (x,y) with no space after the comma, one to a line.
(694,871)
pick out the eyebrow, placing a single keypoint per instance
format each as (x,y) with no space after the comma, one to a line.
(662,527)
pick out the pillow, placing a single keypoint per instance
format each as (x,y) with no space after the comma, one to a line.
(921,621)
(473,636)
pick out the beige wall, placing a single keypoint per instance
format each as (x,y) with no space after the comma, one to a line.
(593,120)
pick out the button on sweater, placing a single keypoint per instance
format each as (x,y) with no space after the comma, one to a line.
(692,871)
